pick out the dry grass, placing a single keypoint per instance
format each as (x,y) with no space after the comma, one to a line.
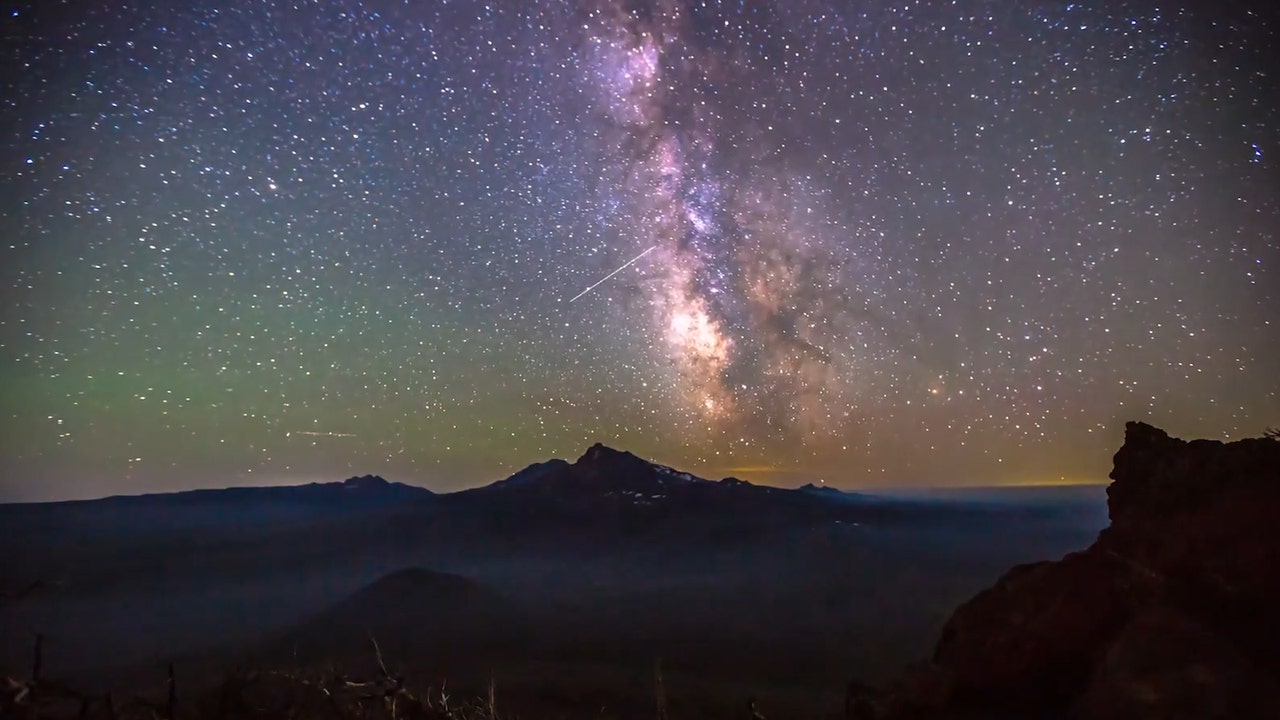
(275,694)
(249,695)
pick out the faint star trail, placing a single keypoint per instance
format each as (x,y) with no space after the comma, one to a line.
(615,272)
(315,433)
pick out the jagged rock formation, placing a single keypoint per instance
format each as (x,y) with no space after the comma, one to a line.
(1174,612)
(365,481)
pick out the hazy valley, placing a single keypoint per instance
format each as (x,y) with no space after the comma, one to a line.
(565,584)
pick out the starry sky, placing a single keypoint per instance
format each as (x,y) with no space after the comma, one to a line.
(865,242)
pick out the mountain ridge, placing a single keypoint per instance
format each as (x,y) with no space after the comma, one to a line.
(355,483)
(599,463)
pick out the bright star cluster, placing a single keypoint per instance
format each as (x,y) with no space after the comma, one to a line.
(871,243)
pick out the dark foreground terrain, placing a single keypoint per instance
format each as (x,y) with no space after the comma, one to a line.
(585,589)
(1171,613)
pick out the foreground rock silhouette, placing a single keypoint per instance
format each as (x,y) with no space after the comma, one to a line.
(1173,612)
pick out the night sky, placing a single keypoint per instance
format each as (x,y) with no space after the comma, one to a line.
(879,243)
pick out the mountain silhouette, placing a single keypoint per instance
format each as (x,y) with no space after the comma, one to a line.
(609,493)
(358,491)
(415,614)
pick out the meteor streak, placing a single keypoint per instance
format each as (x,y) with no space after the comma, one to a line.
(615,272)
(314,433)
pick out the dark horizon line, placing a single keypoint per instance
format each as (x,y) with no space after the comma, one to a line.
(886,491)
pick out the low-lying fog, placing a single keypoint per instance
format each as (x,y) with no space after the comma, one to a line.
(795,607)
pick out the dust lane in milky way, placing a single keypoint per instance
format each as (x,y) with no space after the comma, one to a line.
(883,243)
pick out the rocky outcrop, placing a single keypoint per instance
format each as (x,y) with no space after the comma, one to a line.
(367,482)
(1166,665)
(1174,612)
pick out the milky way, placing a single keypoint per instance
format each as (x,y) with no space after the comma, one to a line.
(871,243)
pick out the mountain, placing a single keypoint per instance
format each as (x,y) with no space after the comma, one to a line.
(605,503)
(533,473)
(358,491)
(601,469)
(418,616)
(231,509)
(609,493)
(826,490)
(413,597)
(1170,613)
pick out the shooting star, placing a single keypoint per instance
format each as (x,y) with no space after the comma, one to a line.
(314,433)
(615,272)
